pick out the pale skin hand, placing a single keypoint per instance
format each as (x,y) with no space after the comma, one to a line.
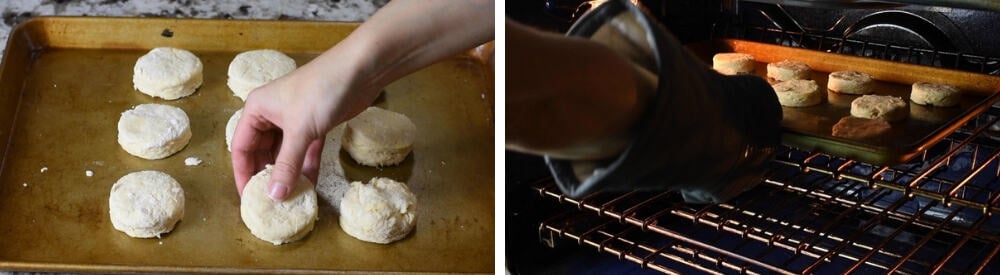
(286,121)
(569,97)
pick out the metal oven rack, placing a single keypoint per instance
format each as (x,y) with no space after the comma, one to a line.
(817,213)
(796,222)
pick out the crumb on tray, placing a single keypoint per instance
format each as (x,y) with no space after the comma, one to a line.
(192,161)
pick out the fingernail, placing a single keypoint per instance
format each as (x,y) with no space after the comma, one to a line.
(278,191)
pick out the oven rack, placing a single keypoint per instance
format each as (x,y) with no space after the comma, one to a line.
(962,169)
(787,225)
(813,213)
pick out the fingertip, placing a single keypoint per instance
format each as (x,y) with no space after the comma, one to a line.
(279,191)
(287,166)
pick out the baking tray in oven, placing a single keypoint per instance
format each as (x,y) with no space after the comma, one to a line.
(809,128)
(65,81)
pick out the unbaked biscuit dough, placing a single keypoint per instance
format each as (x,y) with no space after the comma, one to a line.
(278,222)
(153,131)
(887,108)
(379,137)
(231,128)
(382,211)
(786,70)
(935,94)
(798,93)
(733,63)
(252,69)
(850,82)
(146,204)
(167,73)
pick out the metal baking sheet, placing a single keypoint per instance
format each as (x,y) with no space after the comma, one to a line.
(65,81)
(810,128)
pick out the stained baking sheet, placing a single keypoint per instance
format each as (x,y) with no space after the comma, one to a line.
(65,81)
(810,128)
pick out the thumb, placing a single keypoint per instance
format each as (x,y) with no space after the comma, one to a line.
(288,166)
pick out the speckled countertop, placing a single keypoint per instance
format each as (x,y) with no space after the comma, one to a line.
(16,11)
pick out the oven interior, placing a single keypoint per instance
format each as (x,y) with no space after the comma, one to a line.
(814,213)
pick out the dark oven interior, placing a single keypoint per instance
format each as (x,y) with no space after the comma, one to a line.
(815,213)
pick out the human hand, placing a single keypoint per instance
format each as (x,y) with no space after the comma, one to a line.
(285,123)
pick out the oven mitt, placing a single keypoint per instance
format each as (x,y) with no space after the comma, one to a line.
(706,135)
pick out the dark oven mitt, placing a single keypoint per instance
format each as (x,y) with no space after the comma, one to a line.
(706,135)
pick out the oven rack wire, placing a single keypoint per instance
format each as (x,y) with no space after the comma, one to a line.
(794,223)
(813,213)
(962,169)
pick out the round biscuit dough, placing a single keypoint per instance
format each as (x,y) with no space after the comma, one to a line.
(935,94)
(252,69)
(382,211)
(278,222)
(798,93)
(733,63)
(146,204)
(786,70)
(167,73)
(379,137)
(850,82)
(887,108)
(231,128)
(153,131)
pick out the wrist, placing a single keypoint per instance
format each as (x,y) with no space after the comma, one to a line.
(339,82)
(357,63)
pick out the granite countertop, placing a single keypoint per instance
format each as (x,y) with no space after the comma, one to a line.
(16,11)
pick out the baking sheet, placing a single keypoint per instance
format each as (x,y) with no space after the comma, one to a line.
(810,128)
(65,82)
